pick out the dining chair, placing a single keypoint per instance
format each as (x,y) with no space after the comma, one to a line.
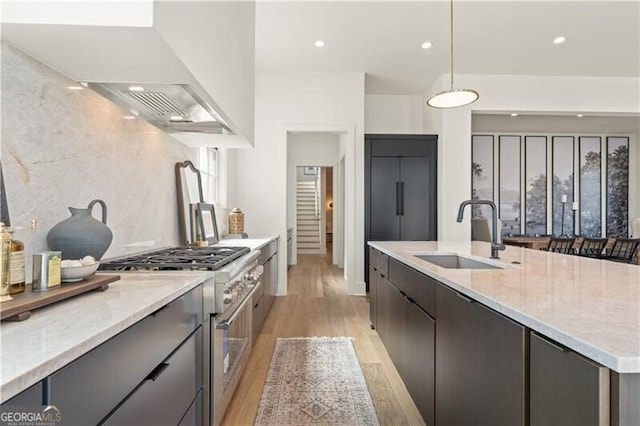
(560,245)
(592,247)
(623,250)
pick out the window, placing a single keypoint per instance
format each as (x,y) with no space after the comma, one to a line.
(617,186)
(536,185)
(590,190)
(208,159)
(563,149)
(509,184)
(482,173)
(549,184)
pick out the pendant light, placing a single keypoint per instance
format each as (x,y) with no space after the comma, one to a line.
(452,98)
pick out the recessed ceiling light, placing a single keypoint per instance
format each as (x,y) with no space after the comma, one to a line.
(136,88)
(559,40)
(426,45)
(580,115)
(175,117)
(128,117)
(319,43)
(514,114)
(74,87)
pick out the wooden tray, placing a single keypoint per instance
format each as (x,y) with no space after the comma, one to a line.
(20,307)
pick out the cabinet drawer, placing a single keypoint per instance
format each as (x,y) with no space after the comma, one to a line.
(268,251)
(566,388)
(167,393)
(87,389)
(383,264)
(30,396)
(193,417)
(417,286)
(373,258)
(258,315)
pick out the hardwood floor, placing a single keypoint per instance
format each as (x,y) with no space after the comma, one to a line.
(317,305)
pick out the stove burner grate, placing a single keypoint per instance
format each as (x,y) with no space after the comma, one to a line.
(176,258)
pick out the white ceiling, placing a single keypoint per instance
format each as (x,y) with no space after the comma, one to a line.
(383,39)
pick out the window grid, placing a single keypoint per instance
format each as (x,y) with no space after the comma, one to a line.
(600,214)
(208,165)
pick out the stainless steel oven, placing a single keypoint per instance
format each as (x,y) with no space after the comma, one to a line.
(231,329)
(230,349)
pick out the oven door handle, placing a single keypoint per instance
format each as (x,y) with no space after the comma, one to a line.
(224,325)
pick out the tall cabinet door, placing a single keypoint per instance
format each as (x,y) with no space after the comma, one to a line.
(385,178)
(416,208)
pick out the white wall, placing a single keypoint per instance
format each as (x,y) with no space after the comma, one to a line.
(314,102)
(393,113)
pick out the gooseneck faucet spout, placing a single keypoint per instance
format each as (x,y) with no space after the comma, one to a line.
(495,246)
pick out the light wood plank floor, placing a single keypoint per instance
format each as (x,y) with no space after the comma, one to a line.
(317,305)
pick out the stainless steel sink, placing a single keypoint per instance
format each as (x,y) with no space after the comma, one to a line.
(454,261)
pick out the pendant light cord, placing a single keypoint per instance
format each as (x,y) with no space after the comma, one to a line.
(451,47)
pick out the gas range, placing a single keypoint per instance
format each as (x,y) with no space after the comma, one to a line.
(233,278)
(177,258)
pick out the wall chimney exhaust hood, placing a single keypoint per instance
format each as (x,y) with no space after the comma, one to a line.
(173,108)
(200,95)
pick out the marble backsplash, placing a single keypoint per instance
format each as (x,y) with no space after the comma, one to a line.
(63,148)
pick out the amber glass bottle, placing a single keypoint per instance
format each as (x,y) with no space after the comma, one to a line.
(16,266)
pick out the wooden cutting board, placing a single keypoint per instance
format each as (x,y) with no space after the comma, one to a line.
(20,307)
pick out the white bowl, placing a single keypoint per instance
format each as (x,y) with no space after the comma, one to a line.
(77,273)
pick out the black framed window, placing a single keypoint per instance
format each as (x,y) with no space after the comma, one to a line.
(535,185)
(617,186)
(482,173)
(563,148)
(510,184)
(590,186)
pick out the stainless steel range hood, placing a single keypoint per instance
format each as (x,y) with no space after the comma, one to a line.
(173,108)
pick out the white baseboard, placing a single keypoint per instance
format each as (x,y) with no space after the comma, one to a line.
(357,289)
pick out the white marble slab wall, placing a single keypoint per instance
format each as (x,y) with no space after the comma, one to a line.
(64,148)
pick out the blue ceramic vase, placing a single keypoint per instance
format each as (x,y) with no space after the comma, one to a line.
(81,234)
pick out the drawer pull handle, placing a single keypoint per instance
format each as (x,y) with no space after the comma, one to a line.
(157,311)
(465,298)
(157,372)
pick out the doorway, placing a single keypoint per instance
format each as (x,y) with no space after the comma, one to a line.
(313,188)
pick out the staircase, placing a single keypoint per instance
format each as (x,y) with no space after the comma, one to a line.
(308,217)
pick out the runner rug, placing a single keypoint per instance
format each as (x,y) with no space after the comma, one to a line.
(315,381)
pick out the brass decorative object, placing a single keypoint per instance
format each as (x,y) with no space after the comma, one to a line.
(236,221)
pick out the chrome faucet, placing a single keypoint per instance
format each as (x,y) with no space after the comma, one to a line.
(495,245)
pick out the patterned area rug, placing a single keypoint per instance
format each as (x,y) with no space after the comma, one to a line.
(315,381)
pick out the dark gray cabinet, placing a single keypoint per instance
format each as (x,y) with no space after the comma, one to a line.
(373,296)
(193,416)
(89,388)
(167,392)
(378,269)
(566,389)
(408,334)
(31,396)
(258,314)
(400,188)
(481,364)
(269,260)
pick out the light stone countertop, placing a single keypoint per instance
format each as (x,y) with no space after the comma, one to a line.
(252,243)
(591,306)
(56,335)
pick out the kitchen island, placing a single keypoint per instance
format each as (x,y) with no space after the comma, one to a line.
(120,327)
(494,333)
